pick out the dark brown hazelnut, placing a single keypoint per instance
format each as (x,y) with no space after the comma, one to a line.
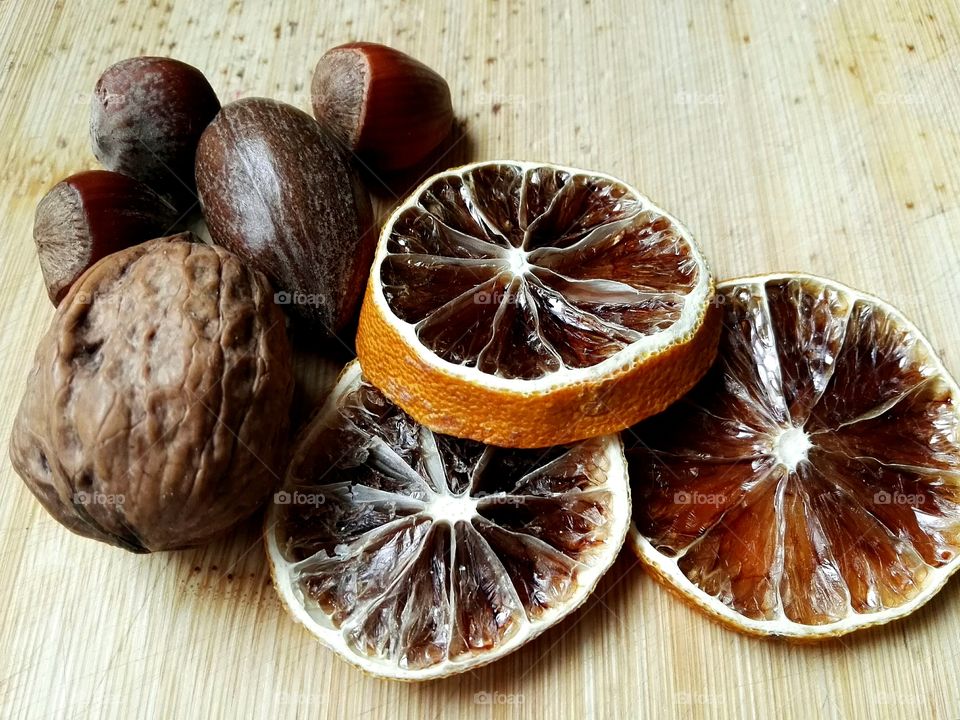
(156,414)
(90,215)
(280,192)
(146,118)
(389,108)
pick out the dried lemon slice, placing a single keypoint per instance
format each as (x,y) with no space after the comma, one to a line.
(810,484)
(524,304)
(416,555)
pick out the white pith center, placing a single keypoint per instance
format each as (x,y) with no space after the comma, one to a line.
(452,508)
(518,261)
(791,447)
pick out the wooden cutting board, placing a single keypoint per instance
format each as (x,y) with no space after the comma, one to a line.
(815,135)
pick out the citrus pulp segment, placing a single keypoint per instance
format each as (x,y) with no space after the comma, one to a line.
(416,555)
(809,485)
(526,304)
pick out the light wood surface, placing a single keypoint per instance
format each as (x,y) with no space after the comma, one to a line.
(814,135)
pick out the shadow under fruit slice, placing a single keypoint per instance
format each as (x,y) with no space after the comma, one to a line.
(525,305)
(416,555)
(809,485)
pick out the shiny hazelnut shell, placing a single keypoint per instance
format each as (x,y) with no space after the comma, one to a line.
(389,108)
(147,115)
(89,215)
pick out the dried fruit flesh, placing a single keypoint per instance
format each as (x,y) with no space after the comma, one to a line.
(515,279)
(810,484)
(416,555)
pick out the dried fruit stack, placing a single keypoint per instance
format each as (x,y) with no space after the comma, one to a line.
(791,445)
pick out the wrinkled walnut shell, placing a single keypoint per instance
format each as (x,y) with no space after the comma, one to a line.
(156,415)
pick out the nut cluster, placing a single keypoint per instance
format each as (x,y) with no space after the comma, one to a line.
(157,412)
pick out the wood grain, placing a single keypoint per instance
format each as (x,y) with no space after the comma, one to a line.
(815,135)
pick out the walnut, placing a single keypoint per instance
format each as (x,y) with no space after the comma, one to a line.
(156,415)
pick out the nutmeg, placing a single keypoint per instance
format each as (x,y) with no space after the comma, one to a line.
(90,215)
(389,108)
(147,116)
(280,192)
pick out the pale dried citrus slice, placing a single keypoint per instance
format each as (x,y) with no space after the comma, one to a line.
(810,484)
(417,555)
(525,305)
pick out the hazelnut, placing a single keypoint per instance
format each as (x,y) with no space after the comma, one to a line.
(280,192)
(155,416)
(389,108)
(146,117)
(90,215)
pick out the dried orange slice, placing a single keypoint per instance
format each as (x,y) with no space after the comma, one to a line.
(810,484)
(526,305)
(417,555)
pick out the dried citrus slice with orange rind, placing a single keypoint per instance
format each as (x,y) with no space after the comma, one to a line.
(809,485)
(525,305)
(416,555)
